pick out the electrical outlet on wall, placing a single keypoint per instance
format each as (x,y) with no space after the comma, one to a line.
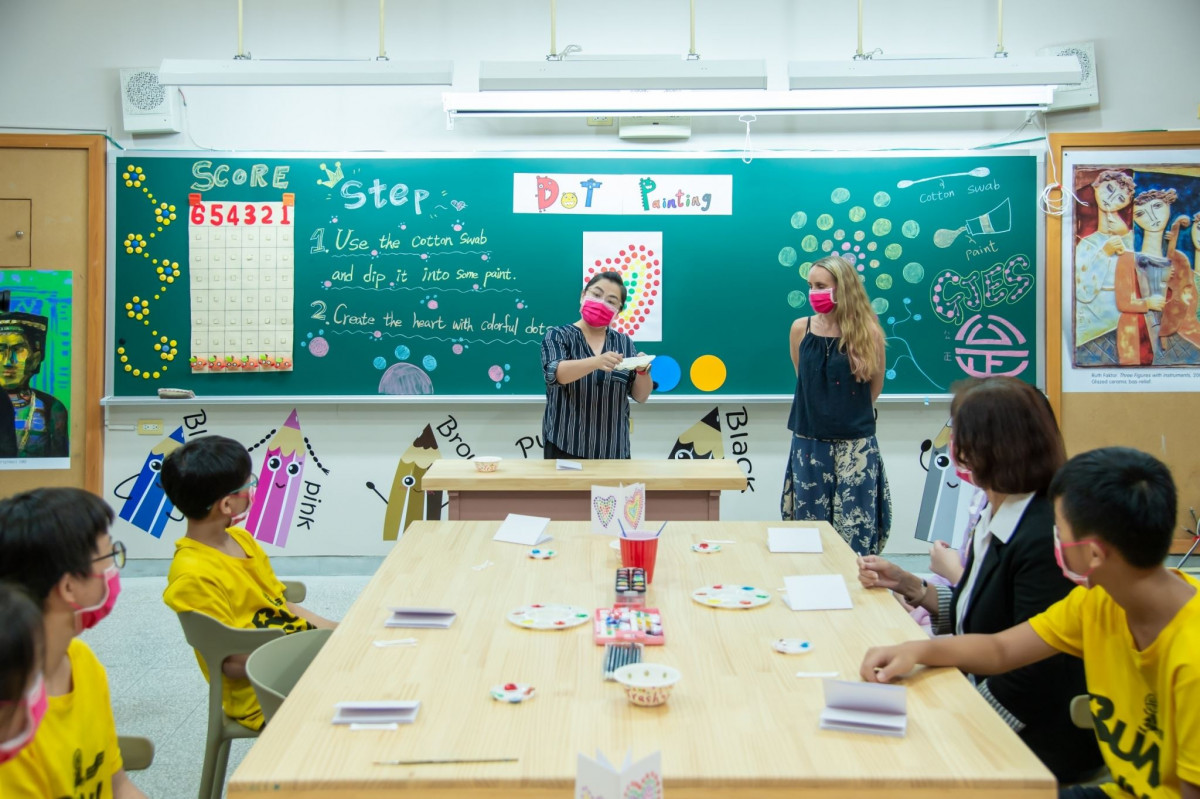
(150,427)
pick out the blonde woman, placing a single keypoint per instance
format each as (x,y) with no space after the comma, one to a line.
(834,472)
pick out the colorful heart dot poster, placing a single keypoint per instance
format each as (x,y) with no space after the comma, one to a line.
(638,257)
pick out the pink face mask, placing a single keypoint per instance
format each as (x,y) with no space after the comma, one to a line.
(596,313)
(1075,577)
(236,521)
(35,703)
(822,300)
(87,618)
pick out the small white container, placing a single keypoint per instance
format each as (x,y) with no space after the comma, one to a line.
(486,463)
(647,684)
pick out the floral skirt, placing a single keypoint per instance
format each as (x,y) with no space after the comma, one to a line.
(843,483)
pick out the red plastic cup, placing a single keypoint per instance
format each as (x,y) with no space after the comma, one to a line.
(640,553)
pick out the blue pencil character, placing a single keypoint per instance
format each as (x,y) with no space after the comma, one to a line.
(147,506)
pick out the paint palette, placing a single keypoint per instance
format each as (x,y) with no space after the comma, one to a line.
(548,617)
(538,553)
(705,548)
(734,597)
(513,692)
(636,362)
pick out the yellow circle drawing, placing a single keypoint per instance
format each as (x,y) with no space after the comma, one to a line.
(708,373)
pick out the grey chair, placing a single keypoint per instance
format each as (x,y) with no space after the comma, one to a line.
(276,666)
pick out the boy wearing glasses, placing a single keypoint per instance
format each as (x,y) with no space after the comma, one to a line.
(219,569)
(1135,623)
(55,546)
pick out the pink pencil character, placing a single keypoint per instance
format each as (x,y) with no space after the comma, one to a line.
(280,483)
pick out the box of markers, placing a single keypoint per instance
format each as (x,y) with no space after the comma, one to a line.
(628,624)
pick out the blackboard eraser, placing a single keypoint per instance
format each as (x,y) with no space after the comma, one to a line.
(176,393)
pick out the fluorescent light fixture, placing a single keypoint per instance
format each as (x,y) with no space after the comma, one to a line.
(736,102)
(933,73)
(597,73)
(303,72)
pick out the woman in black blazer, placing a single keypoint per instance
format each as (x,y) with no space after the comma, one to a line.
(1006,442)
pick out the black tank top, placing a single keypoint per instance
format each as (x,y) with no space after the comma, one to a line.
(830,403)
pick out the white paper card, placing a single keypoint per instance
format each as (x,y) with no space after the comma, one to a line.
(525,530)
(568,466)
(618,507)
(599,779)
(794,539)
(865,707)
(376,712)
(430,618)
(817,592)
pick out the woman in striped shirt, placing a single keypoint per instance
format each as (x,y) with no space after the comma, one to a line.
(587,397)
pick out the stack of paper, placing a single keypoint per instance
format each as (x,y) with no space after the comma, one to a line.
(865,707)
(817,592)
(794,539)
(431,618)
(525,530)
(376,712)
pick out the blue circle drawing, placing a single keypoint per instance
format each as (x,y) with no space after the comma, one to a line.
(890,374)
(380,362)
(402,353)
(429,362)
(666,373)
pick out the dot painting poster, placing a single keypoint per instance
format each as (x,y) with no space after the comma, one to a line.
(638,258)
(35,369)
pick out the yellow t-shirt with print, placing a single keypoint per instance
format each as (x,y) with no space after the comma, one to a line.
(74,753)
(238,592)
(1145,704)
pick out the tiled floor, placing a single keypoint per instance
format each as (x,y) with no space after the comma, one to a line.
(157,689)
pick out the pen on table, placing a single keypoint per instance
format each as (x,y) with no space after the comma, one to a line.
(441,762)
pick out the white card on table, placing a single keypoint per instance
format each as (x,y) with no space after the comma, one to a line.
(865,707)
(599,779)
(432,618)
(817,592)
(568,466)
(794,539)
(376,712)
(525,530)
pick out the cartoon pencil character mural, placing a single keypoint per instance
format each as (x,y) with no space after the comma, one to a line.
(408,501)
(280,483)
(701,440)
(147,507)
(945,502)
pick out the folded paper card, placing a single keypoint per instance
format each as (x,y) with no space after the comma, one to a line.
(794,539)
(865,707)
(433,618)
(568,466)
(635,362)
(376,712)
(599,779)
(817,592)
(526,530)
(614,507)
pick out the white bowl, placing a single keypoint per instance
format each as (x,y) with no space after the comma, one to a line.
(647,684)
(486,463)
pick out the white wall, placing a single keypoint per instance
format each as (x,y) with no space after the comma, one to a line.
(58,69)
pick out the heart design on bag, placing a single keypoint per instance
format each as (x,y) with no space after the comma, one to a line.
(648,788)
(635,507)
(605,508)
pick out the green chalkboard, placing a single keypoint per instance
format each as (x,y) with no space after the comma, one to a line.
(365,276)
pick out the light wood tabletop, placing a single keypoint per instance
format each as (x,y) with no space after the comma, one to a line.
(716,474)
(739,723)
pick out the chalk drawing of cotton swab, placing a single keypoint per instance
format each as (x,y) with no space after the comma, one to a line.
(977,172)
(997,220)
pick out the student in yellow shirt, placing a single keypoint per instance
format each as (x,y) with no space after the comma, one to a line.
(55,545)
(219,569)
(22,688)
(1135,623)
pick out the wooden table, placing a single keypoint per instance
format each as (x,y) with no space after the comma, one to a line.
(739,723)
(680,490)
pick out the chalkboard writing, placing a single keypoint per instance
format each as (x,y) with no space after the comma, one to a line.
(357,276)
